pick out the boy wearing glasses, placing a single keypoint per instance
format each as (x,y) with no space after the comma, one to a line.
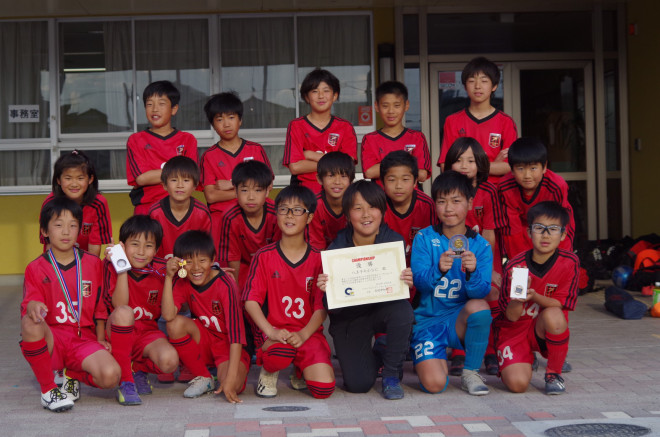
(538,322)
(283,278)
(529,183)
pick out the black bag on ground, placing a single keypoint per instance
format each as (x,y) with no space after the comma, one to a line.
(621,303)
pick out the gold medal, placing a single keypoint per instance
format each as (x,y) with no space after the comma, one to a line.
(182,272)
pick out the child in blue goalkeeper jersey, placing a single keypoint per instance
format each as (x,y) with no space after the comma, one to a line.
(452,267)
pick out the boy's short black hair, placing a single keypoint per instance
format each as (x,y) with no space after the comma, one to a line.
(141,225)
(314,79)
(76,159)
(481,65)
(162,88)
(528,150)
(55,207)
(223,103)
(480,158)
(398,158)
(256,171)
(180,166)
(550,209)
(370,191)
(192,243)
(300,192)
(336,162)
(391,87)
(449,181)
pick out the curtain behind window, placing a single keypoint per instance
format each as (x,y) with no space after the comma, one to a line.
(178,51)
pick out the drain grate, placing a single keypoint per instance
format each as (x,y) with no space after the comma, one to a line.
(597,430)
(295,408)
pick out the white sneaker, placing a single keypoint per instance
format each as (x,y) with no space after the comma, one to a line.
(297,383)
(473,383)
(198,386)
(267,385)
(59,378)
(71,388)
(55,400)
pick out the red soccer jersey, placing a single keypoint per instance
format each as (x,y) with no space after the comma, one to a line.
(376,145)
(198,218)
(289,290)
(218,164)
(557,278)
(149,151)
(216,304)
(42,285)
(495,133)
(514,205)
(420,215)
(145,291)
(239,241)
(484,206)
(301,135)
(95,228)
(325,224)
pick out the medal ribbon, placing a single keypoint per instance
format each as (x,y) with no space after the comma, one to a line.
(65,290)
(150,269)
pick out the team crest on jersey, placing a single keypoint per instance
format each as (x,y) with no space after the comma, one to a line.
(479,211)
(275,275)
(461,132)
(86,229)
(333,139)
(179,149)
(248,158)
(309,281)
(215,307)
(86,288)
(410,147)
(550,289)
(153,297)
(495,140)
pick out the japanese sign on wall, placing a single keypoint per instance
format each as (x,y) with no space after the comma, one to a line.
(23,113)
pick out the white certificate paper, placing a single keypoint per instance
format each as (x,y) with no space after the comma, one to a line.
(365,274)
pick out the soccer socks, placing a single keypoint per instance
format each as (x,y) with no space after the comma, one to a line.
(122,338)
(476,338)
(278,357)
(557,345)
(147,366)
(494,311)
(37,356)
(190,355)
(320,390)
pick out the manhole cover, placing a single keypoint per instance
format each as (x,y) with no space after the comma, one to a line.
(294,408)
(597,430)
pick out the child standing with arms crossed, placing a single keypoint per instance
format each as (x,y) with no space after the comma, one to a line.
(74,176)
(309,137)
(149,150)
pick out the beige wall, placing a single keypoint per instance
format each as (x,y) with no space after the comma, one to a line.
(644,110)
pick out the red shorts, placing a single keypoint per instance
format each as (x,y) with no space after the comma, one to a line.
(69,350)
(516,343)
(144,336)
(214,347)
(315,350)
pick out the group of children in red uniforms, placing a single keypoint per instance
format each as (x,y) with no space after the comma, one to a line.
(244,273)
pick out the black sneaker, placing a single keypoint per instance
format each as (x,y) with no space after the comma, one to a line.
(554,384)
(490,363)
(456,365)
(392,389)
(566,368)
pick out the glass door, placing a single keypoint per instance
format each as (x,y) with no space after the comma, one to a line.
(549,100)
